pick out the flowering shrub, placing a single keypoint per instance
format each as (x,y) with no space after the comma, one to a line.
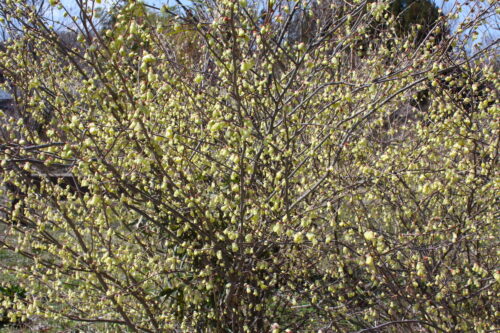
(201,170)
(8,295)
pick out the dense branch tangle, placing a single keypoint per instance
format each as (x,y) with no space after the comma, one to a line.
(231,171)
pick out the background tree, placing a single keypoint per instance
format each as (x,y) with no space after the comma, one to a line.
(256,182)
